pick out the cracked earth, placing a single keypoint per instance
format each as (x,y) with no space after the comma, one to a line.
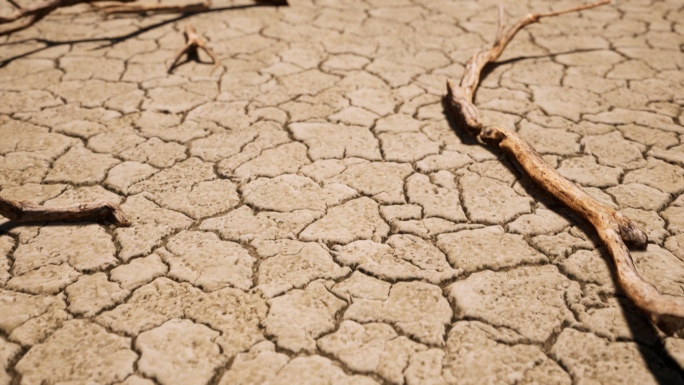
(306,214)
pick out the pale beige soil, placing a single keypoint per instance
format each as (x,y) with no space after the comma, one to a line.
(306,214)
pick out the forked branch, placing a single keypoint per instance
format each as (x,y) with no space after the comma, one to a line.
(23,211)
(614,229)
(194,42)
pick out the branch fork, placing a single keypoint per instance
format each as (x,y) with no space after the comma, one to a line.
(615,230)
(194,42)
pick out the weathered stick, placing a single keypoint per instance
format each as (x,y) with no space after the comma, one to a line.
(157,8)
(23,211)
(193,43)
(613,228)
(35,12)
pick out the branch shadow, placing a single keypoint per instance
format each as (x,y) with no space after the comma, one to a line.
(663,367)
(112,41)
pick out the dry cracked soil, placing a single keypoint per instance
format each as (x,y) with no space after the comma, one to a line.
(306,213)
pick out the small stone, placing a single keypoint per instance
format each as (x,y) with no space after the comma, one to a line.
(179,352)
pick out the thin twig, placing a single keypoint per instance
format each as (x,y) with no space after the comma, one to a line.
(24,211)
(614,229)
(32,14)
(156,8)
(194,42)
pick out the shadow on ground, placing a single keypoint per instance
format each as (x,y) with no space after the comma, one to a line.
(656,357)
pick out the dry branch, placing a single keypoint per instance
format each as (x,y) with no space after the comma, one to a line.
(157,8)
(24,211)
(193,43)
(25,17)
(614,229)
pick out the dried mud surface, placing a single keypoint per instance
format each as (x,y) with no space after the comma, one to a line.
(306,214)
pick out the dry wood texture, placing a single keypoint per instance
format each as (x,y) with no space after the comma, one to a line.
(23,211)
(614,229)
(193,43)
(24,17)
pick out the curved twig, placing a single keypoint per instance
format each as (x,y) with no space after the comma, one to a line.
(614,229)
(24,211)
(33,13)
